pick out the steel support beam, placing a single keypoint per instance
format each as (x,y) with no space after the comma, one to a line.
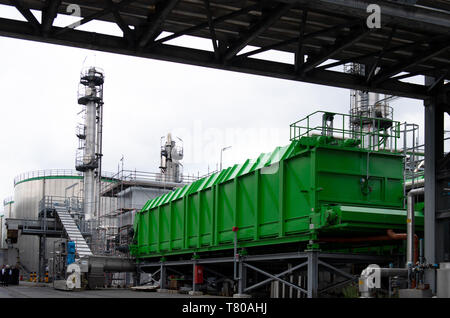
(205,24)
(163,276)
(212,31)
(313,274)
(275,277)
(94,16)
(433,149)
(343,283)
(197,57)
(127,32)
(268,280)
(27,14)
(300,54)
(310,35)
(256,30)
(437,82)
(391,12)
(382,53)
(342,273)
(420,58)
(194,265)
(339,46)
(242,282)
(152,29)
(49,15)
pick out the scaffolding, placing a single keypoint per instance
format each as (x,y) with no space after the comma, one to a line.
(121,198)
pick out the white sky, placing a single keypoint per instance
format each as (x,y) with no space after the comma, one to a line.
(144,100)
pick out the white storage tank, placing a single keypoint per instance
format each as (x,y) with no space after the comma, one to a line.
(29,189)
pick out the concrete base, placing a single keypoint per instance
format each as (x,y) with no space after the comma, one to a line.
(415,293)
(195,293)
(241,296)
(162,290)
(173,291)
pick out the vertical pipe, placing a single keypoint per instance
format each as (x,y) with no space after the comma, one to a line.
(410,230)
(410,226)
(235,255)
(99,151)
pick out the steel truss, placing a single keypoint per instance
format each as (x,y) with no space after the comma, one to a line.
(414,39)
(311,260)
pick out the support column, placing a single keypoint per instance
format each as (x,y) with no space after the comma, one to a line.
(242,281)
(193,278)
(162,279)
(242,278)
(313,274)
(434,132)
(42,252)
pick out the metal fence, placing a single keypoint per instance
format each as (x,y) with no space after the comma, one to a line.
(374,133)
(54,173)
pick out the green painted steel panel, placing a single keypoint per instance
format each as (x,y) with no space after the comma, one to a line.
(313,186)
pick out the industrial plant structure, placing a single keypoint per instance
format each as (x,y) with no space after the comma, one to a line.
(333,198)
(353,198)
(87,206)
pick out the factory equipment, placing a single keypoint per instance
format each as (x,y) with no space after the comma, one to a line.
(171,154)
(89,153)
(415,268)
(371,115)
(328,187)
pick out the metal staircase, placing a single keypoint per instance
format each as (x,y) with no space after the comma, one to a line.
(73,232)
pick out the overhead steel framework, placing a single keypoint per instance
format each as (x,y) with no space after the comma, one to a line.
(322,36)
(414,38)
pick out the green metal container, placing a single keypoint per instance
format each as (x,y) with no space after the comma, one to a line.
(317,186)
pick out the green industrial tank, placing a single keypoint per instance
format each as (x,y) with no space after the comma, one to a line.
(324,184)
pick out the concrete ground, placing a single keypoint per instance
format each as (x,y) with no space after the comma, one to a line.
(39,290)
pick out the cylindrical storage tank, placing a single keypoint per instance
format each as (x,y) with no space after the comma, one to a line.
(29,189)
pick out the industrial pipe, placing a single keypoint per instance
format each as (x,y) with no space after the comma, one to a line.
(390,235)
(411,240)
(113,263)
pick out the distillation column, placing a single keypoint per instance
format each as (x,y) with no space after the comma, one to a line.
(364,108)
(90,95)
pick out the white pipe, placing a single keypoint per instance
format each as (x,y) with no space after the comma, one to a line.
(410,224)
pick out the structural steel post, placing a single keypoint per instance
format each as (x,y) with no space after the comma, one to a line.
(193,276)
(313,274)
(162,279)
(434,131)
(242,277)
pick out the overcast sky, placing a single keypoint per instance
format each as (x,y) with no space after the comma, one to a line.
(144,100)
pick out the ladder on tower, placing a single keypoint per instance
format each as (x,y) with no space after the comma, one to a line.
(74,234)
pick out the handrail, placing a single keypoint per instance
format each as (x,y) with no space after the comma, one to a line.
(53,172)
(382,135)
(144,176)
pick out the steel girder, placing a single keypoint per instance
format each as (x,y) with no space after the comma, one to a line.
(286,25)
